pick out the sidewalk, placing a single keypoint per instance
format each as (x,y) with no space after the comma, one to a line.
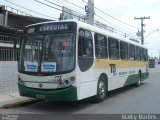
(12,99)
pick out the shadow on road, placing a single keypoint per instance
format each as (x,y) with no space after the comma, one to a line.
(120,91)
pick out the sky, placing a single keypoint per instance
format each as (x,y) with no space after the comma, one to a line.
(124,10)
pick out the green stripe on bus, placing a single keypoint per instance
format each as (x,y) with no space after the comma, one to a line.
(66,94)
(134,78)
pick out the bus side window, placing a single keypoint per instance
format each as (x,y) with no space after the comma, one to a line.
(85,50)
(146,55)
(85,45)
(142,54)
(88,44)
(138,53)
(80,43)
(100,46)
(123,50)
(113,46)
(131,52)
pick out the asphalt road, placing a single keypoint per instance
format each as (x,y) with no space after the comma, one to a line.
(143,99)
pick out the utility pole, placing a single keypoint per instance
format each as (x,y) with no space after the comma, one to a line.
(90,12)
(142,25)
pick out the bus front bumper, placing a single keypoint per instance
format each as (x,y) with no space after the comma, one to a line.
(66,94)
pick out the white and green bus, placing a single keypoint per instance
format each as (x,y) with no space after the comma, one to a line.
(71,60)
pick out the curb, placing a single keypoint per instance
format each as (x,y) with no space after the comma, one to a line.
(20,103)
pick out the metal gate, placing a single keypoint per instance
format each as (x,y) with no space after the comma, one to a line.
(9,54)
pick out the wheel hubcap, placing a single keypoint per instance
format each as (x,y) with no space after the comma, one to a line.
(101,89)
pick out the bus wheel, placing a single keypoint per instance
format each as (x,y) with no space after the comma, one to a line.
(139,81)
(101,90)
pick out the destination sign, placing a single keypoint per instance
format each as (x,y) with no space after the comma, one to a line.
(49,27)
(54,27)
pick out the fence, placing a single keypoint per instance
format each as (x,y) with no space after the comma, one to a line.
(8,76)
(9,54)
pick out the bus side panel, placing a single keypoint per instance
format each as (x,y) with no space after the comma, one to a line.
(119,81)
(88,89)
(126,72)
(114,82)
(86,84)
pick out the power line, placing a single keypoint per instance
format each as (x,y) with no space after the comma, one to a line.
(74,11)
(97,15)
(65,2)
(113,17)
(82,8)
(116,30)
(84,1)
(116,18)
(57,8)
(81,1)
(75,4)
(102,19)
(29,9)
(106,20)
(63,6)
(71,6)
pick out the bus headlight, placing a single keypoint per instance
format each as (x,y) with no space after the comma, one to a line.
(66,82)
(72,78)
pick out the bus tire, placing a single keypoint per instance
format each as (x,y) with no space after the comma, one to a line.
(139,80)
(101,90)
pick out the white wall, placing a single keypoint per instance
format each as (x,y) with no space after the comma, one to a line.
(8,76)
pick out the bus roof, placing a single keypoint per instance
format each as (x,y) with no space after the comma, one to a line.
(95,29)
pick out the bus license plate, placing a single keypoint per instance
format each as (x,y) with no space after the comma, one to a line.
(40,97)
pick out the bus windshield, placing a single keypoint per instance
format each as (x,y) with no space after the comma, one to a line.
(48,53)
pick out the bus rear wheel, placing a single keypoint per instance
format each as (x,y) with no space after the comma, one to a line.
(101,90)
